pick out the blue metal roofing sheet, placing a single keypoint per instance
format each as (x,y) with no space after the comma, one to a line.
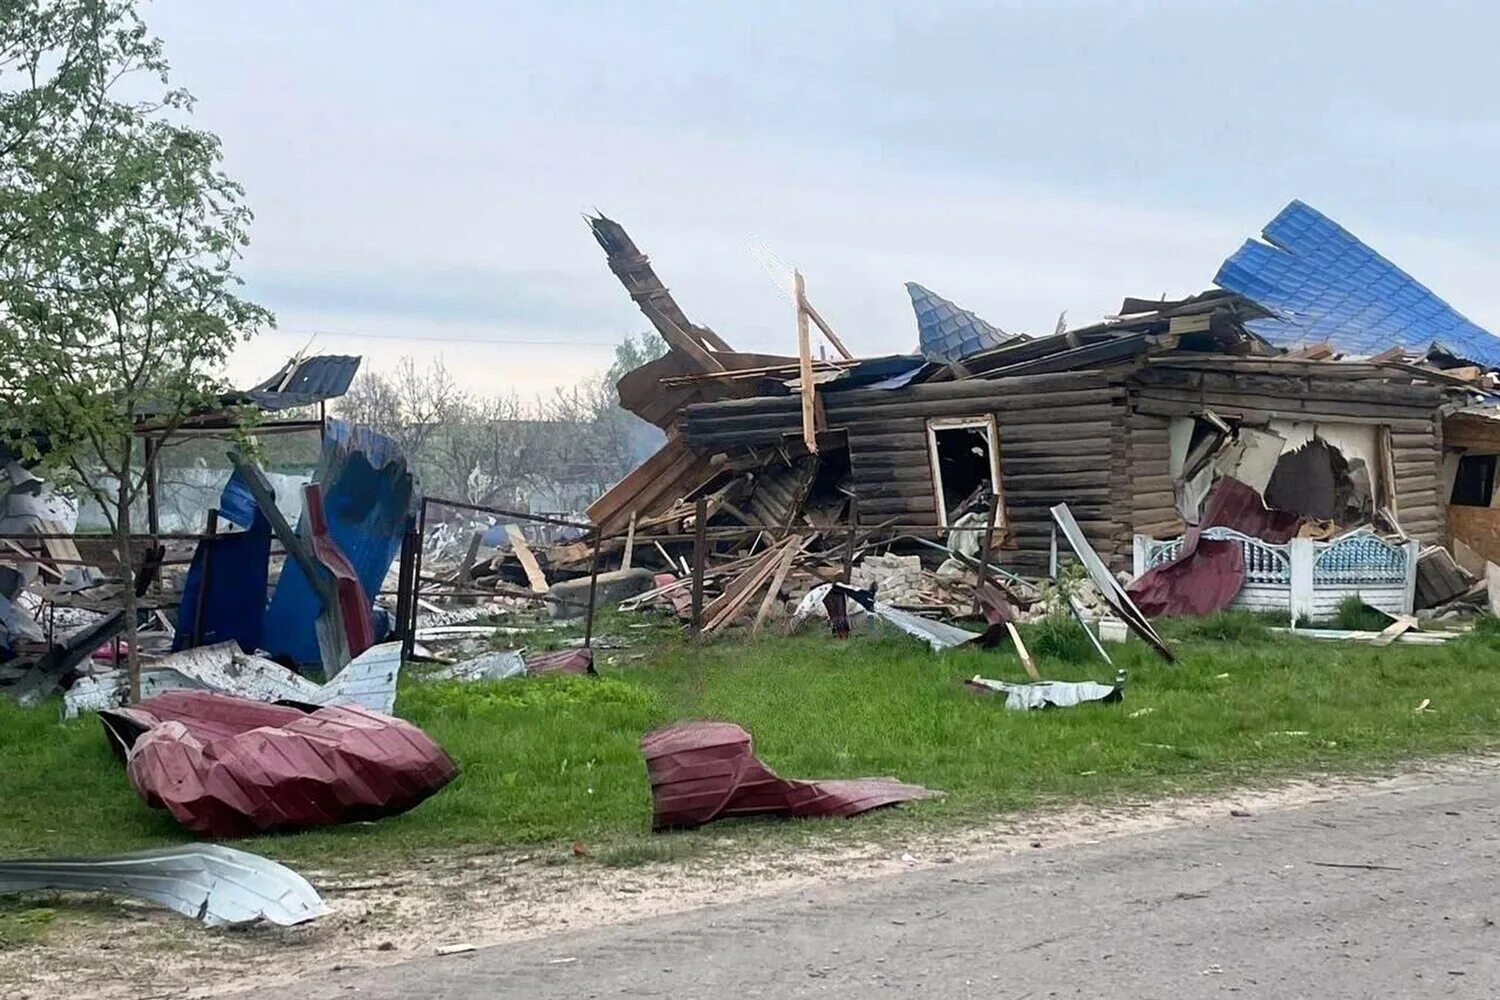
(947,333)
(1325,285)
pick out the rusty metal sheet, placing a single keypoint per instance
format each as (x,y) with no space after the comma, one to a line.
(228,767)
(703,771)
(563,661)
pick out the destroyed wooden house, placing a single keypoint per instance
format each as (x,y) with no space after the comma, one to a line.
(1119,420)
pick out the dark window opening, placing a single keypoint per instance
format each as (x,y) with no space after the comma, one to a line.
(1475,483)
(965,467)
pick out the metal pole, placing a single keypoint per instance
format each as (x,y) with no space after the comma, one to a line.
(406,588)
(700,556)
(416,576)
(588,621)
(205,578)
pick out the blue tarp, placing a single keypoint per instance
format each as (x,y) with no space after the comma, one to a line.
(1325,285)
(370,497)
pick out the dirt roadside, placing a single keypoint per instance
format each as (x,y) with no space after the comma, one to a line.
(382,917)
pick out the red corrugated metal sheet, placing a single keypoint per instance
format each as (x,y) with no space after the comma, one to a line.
(703,771)
(561,661)
(229,767)
(1206,574)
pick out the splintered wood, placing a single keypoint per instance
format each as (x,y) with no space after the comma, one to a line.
(534,574)
(771,565)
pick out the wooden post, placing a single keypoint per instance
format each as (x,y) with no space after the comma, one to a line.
(464,568)
(848,571)
(805,370)
(700,557)
(588,621)
(629,543)
(211,531)
(984,548)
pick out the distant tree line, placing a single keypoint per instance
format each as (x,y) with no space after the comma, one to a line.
(552,452)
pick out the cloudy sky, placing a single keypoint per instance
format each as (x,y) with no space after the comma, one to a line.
(419,169)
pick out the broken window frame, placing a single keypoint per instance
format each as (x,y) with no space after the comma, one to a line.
(979,421)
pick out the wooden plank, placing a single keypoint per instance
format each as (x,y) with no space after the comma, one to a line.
(806,306)
(777,580)
(534,574)
(805,372)
(1393,631)
(724,608)
(625,559)
(1026,661)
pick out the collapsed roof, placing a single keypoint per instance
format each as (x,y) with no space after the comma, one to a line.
(1322,285)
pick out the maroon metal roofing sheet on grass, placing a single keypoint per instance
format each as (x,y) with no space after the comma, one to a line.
(703,771)
(229,767)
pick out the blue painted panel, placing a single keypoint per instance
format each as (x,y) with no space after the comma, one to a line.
(370,497)
(235,598)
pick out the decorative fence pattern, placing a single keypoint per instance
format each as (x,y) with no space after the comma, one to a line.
(1306,578)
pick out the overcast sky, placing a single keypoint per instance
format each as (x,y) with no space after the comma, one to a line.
(418,170)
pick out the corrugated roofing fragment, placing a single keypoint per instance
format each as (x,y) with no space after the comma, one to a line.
(1050,694)
(703,771)
(369,680)
(948,333)
(228,767)
(1326,286)
(209,882)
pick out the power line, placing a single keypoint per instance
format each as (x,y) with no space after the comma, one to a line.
(478,342)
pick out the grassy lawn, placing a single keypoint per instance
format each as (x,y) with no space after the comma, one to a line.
(549,761)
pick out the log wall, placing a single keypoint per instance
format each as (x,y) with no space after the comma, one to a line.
(1411,412)
(1062,439)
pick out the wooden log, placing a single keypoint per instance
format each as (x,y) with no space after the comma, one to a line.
(1215,400)
(1019,387)
(1154,501)
(1177,408)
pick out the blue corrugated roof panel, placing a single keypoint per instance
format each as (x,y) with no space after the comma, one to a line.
(305,381)
(947,333)
(1325,285)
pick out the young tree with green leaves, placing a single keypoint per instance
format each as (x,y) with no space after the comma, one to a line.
(119,238)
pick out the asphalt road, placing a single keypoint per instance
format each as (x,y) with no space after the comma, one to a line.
(1249,907)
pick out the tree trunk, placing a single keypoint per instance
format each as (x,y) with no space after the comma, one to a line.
(127,576)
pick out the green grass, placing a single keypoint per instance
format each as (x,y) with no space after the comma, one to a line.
(22,922)
(549,761)
(1357,616)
